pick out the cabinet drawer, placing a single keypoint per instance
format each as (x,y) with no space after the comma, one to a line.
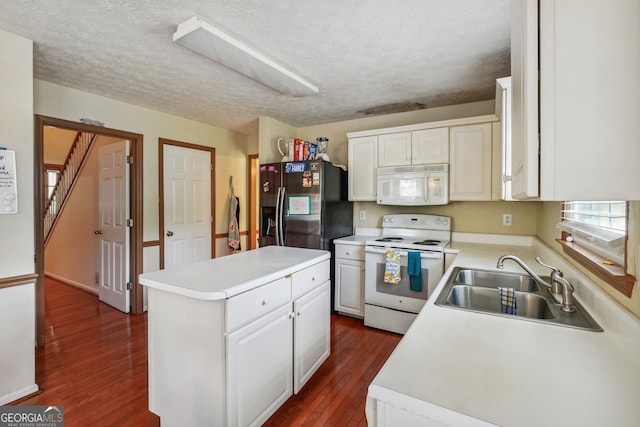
(246,307)
(350,252)
(309,278)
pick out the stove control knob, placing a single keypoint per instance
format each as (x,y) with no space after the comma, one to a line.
(445,221)
(438,221)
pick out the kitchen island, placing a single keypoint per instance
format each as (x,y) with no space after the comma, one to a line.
(464,368)
(231,338)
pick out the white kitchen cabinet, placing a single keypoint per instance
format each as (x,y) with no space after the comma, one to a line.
(414,148)
(524,99)
(312,333)
(394,149)
(363,162)
(227,351)
(349,278)
(588,94)
(259,374)
(470,162)
(430,146)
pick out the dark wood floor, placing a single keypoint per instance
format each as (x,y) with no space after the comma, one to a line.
(94,363)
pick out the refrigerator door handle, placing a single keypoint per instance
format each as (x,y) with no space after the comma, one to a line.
(281,215)
(277,224)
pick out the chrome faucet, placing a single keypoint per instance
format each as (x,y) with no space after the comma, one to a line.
(558,283)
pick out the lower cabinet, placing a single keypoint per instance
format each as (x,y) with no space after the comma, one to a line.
(349,277)
(259,373)
(235,361)
(312,333)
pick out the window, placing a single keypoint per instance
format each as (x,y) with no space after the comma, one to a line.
(594,233)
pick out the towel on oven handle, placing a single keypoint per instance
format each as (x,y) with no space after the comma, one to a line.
(414,268)
(392,267)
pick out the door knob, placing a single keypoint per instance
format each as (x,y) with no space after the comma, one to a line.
(97,232)
(169,233)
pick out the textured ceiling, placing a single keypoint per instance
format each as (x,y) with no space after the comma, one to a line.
(362,54)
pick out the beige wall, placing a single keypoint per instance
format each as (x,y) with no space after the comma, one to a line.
(72,254)
(16,133)
(468,217)
(61,102)
(549,216)
(17,303)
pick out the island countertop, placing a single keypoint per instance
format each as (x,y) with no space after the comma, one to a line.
(224,277)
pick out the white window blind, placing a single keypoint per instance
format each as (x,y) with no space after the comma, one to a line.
(600,226)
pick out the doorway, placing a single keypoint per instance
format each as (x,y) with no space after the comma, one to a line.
(187,202)
(254,202)
(135,189)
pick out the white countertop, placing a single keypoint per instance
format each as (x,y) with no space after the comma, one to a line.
(463,368)
(224,277)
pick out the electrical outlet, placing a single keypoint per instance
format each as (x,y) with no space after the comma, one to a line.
(363,215)
(507,220)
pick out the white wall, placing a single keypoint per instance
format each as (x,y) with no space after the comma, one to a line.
(17,303)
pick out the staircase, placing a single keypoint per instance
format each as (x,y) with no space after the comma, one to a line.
(66,180)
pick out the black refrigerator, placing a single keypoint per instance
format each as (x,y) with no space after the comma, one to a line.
(304,204)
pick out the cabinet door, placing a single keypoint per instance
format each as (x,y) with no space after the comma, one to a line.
(349,287)
(312,333)
(524,99)
(470,162)
(363,162)
(430,146)
(589,100)
(259,374)
(394,149)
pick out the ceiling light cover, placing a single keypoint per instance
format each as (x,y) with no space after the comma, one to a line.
(213,43)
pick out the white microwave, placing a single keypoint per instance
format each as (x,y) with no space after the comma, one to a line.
(413,185)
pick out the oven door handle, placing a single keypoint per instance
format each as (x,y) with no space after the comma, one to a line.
(381,250)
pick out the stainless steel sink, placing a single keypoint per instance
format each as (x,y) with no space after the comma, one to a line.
(477,290)
(488,299)
(492,279)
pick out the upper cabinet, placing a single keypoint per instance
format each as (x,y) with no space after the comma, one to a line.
(588,98)
(470,165)
(430,146)
(421,147)
(363,162)
(394,149)
(473,141)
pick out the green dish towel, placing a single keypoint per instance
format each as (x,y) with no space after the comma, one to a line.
(414,269)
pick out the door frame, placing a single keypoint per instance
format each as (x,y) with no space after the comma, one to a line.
(161,144)
(137,303)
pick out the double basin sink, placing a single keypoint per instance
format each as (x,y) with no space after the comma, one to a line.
(478,290)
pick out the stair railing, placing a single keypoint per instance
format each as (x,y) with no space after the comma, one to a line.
(66,180)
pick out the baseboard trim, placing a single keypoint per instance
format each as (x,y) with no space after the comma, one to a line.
(11,397)
(72,283)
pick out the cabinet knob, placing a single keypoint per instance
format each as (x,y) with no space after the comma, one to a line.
(348,252)
(313,279)
(299,313)
(264,302)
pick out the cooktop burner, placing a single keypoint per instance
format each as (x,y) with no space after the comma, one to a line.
(390,239)
(428,242)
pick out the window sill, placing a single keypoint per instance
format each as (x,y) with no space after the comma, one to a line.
(613,275)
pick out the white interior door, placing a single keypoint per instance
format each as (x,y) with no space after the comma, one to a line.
(187,205)
(115,236)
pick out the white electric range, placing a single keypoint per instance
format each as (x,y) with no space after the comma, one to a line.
(393,307)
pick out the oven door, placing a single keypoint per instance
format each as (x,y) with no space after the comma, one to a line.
(400,296)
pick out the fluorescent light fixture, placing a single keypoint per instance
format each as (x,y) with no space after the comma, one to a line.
(209,41)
